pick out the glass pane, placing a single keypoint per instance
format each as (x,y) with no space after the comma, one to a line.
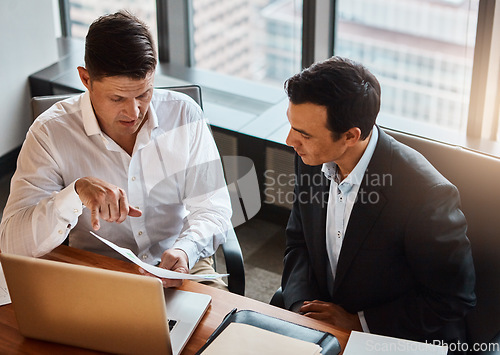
(421,51)
(83,12)
(252,39)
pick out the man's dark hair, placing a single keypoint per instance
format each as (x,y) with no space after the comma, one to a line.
(119,44)
(349,91)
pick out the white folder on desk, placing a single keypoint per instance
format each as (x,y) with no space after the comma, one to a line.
(368,344)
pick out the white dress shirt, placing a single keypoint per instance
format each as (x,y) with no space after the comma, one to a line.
(174,177)
(343,195)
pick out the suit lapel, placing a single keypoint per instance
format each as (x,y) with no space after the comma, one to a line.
(318,230)
(366,210)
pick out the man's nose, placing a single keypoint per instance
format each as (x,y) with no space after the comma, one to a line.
(290,139)
(132,109)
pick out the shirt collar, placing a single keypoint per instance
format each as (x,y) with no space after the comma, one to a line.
(329,169)
(144,135)
(89,120)
(357,174)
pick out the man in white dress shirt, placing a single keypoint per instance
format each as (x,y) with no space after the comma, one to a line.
(137,164)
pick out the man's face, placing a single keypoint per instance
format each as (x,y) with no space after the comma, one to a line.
(120,103)
(310,137)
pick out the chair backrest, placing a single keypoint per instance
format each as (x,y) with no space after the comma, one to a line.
(40,104)
(193,91)
(477,177)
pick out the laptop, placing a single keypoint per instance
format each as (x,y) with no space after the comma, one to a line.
(99,309)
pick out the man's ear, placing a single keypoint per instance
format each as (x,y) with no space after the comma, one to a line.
(84,77)
(352,136)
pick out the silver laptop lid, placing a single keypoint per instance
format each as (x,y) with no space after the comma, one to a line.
(87,307)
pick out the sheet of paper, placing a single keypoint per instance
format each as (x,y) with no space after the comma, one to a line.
(368,344)
(157,271)
(4,292)
(245,339)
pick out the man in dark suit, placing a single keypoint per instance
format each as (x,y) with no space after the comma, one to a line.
(376,240)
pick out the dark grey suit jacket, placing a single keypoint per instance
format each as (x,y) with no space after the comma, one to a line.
(405,259)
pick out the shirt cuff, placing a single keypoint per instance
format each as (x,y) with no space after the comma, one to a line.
(362,320)
(190,248)
(68,204)
(296,306)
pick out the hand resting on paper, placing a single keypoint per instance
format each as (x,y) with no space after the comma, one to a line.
(175,260)
(331,313)
(174,265)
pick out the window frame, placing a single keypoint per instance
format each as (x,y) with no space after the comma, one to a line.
(64,18)
(482,119)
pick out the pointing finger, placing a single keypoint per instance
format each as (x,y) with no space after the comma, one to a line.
(94,217)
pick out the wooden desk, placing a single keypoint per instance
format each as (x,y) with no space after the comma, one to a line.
(12,342)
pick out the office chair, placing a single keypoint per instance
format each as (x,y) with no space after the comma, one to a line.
(231,248)
(40,104)
(277,299)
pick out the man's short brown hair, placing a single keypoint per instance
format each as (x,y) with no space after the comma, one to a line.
(119,45)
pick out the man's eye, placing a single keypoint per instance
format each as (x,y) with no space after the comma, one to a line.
(144,96)
(116,99)
(304,136)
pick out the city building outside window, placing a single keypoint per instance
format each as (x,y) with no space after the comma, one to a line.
(252,39)
(83,12)
(421,51)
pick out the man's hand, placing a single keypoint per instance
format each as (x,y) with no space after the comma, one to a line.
(104,200)
(175,260)
(331,313)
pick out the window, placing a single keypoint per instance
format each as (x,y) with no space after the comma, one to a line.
(422,49)
(83,12)
(439,71)
(252,39)
(259,40)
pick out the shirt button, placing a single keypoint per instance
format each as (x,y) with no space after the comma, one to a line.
(140,233)
(133,178)
(144,257)
(60,231)
(76,210)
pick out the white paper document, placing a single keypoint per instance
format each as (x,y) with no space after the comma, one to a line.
(157,271)
(4,292)
(368,344)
